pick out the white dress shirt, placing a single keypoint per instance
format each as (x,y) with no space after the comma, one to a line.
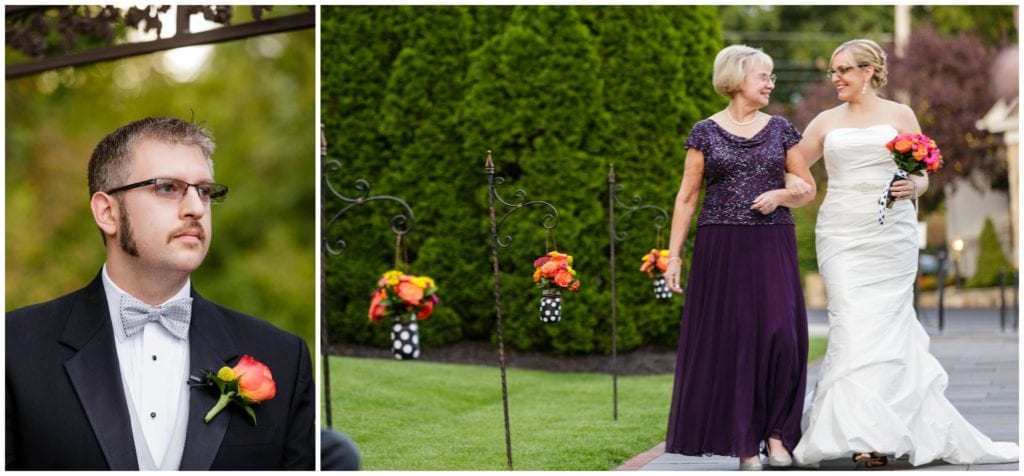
(154,368)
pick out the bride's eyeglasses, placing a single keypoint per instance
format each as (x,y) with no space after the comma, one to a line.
(842,70)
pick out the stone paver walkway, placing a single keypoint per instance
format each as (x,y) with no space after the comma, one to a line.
(982,362)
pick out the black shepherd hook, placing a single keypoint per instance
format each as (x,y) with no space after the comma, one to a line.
(401,224)
(660,220)
(549,222)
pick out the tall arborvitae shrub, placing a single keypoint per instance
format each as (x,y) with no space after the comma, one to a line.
(534,97)
(653,95)
(990,258)
(426,86)
(557,93)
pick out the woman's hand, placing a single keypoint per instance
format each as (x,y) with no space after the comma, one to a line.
(767,202)
(903,190)
(796,186)
(672,271)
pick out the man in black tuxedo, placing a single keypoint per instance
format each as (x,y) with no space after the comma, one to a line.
(100,378)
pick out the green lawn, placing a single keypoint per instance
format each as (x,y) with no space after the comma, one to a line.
(431,416)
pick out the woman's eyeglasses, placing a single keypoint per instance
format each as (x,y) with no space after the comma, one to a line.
(841,70)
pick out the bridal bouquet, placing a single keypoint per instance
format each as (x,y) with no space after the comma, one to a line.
(913,153)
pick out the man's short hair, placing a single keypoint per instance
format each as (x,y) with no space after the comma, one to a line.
(109,165)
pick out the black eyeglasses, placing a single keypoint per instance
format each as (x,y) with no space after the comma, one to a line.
(842,70)
(174,189)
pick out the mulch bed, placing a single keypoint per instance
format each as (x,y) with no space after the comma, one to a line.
(643,361)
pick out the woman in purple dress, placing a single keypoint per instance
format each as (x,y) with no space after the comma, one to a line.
(742,362)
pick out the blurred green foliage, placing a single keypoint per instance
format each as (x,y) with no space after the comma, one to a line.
(991,260)
(414,97)
(257,97)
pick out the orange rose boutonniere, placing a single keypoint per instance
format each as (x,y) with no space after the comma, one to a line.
(248,383)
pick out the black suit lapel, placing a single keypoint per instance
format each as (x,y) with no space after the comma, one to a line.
(210,348)
(95,374)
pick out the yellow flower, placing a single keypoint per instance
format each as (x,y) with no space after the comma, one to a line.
(663,253)
(226,374)
(391,277)
(419,282)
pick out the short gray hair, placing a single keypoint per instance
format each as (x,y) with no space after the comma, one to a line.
(732,65)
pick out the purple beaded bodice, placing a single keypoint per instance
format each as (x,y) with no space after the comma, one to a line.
(738,169)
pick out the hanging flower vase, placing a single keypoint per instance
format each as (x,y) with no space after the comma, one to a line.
(661,290)
(551,306)
(405,339)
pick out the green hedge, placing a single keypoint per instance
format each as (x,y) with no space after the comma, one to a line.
(414,97)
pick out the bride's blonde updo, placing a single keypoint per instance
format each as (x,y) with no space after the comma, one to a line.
(866,52)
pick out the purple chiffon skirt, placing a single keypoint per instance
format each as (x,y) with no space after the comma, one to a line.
(741,368)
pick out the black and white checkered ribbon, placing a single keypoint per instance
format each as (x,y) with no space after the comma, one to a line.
(174,315)
(884,199)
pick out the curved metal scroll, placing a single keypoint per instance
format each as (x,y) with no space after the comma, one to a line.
(549,221)
(660,220)
(400,223)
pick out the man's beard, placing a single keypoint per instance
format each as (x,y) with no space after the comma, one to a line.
(126,238)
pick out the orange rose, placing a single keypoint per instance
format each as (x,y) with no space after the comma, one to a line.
(549,269)
(662,263)
(425,310)
(409,292)
(248,382)
(255,383)
(376,309)
(903,145)
(563,278)
(575,286)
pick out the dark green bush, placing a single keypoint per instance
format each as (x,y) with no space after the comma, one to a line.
(990,259)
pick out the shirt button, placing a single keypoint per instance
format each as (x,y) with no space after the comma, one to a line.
(152,415)
(154,357)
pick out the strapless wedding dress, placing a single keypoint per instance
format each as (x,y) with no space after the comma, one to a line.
(879,389)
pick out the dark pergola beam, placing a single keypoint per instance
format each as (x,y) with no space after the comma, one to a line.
(227,33)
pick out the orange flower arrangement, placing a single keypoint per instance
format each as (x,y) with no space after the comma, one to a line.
(554,270)
(655,259)
(400,295)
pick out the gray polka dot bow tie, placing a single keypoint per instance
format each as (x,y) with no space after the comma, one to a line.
(174,315)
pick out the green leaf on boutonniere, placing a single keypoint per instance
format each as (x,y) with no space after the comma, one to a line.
(249,382)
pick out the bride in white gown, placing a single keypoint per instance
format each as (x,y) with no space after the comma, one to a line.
(880,392)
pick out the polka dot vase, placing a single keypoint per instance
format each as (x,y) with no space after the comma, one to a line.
(551,306)
(405,340)
(661,288)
